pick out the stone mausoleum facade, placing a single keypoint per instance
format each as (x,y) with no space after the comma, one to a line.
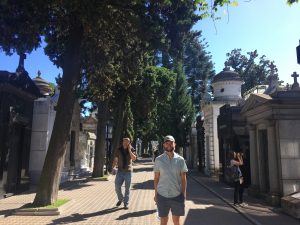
(274,125)
(226,90)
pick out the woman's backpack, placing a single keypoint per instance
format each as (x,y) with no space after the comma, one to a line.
(234,173)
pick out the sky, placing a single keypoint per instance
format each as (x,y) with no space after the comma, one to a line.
(269,26)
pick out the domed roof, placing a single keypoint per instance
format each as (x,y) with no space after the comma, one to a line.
(227,75)
(42,84)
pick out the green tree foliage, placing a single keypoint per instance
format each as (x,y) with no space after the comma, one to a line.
(252,68)
(79,34)
(72,32)
(290,2)
(182,111)
(181,17)
(198,67)
(21,25)
(128,130)
(151,94)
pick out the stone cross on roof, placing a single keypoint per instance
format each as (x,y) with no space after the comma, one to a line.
(295,85)
(273,80)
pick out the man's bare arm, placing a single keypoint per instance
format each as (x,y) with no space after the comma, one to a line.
(132,155)
(183,183)
(156,179)
(115,162)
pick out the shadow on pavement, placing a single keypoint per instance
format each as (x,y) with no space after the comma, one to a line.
(145,161)
(82,217)
(6,213)
(136,214)
(76,186)
(147,169)
(214,216)
(144,185)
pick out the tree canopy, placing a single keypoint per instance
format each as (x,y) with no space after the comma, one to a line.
(292,1)
(252,68)
(102,42)
(153,93)
(198,67)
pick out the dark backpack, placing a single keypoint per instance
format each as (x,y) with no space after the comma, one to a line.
(235,174)
(232,174)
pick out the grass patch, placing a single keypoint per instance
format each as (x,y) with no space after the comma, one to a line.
(104,178)
(59,202)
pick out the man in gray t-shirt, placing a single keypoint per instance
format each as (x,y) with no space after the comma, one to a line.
(170,182)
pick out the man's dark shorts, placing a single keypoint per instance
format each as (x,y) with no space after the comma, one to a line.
(176,205)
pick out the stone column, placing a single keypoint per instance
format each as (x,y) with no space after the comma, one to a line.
(253,156)
(262,146)
(273,161)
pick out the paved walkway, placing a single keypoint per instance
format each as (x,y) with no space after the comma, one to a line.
(93,202)
(257,211)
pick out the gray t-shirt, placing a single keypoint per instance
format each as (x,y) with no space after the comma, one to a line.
(169,184)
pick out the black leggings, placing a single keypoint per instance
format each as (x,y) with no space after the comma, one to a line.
(238,192)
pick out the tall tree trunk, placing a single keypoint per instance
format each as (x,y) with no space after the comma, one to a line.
(102,117)
(118,123)
(50,177)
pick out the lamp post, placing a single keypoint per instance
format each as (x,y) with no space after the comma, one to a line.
(108,144)
(182,135)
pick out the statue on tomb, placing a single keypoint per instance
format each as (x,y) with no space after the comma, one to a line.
(273,81)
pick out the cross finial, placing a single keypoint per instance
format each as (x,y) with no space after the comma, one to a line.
(295,75)
(295,84)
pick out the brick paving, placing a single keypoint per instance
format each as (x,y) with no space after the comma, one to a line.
(93,202)
(257,211)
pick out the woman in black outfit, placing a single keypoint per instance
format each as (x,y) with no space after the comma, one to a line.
(237,161)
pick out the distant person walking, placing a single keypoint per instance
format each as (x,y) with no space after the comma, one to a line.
(123,159)
(170,183)
(235,163)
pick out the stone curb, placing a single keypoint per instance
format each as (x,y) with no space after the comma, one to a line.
(41,211)
(36,212)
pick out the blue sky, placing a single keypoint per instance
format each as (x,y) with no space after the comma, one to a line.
(269,26)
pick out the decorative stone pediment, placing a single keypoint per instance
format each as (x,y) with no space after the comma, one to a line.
(21,81)
(91,135)
(254,101)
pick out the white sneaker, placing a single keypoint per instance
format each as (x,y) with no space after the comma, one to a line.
(237,205)
(243,204)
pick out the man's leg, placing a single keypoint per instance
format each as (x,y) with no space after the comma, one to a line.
(118,184)
(164,220)
(176,220)
(163,208)
(127,177)
(177,208)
